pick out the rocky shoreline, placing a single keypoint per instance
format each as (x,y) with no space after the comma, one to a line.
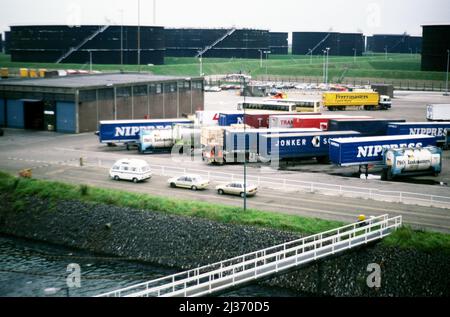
(184,243)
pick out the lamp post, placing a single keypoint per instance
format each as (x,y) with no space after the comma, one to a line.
(139,35)
(245,149)
(261,58)
(267,59)
(90,61)
(310,58)
(385,52)
(448,66)
(354,56)
(121,37)
(324,66)
(328,54)
(200,59)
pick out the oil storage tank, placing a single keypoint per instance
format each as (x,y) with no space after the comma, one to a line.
(219,43)
(105,44)
(278,43)
(305,42)
(435,47)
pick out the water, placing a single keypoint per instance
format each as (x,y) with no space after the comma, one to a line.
(32,269)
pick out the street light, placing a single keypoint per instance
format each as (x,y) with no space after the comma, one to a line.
(385,52)
(261,58)
(267,59)
(354,56)
(324,66)
(448,66)
(90,61)
(311,55)
(200,59)
(139,35)
(121,37)
(328,54)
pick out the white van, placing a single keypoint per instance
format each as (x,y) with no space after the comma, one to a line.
(131,169)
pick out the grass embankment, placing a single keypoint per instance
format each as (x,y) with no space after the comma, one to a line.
(18,188)
(397,66)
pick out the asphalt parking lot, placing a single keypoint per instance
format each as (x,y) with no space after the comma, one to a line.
(57,157)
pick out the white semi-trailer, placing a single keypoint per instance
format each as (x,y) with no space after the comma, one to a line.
(438,112)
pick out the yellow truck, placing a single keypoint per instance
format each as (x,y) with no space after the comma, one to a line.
(343,100)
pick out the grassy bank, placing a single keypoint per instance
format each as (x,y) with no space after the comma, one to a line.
(18,188)
(397,66)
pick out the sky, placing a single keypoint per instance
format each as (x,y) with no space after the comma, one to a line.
(367,16)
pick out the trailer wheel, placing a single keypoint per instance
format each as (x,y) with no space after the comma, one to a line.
(116,178)
(135,180)
(242,195)
(220,192)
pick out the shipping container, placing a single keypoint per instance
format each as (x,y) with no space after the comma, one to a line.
(437,129)
(412,162)
(128,131)
(275,147)
(369,150)
(367,127)
(438,112)
(321,122)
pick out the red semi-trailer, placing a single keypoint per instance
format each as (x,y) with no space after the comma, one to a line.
(321,122)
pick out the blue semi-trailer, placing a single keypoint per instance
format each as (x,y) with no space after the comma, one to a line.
(128,131)
(369,150)
(367,127)
(437,129)
(277,147)
(227,119)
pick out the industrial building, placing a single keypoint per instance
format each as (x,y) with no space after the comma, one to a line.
(76,104)
(101,44)
(394,43)
(278,43)
(340,44)
(435,47)
(221,43)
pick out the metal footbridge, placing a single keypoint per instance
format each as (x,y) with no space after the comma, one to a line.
(250,267)
(222,38)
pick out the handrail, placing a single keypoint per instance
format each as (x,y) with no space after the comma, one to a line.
(311,247)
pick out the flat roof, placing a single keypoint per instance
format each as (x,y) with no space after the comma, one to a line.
(91,81)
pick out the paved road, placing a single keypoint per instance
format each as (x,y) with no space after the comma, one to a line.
(293,203)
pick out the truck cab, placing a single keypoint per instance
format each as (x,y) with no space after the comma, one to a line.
(385,102)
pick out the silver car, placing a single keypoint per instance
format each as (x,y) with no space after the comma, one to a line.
(236,188)
(193,182)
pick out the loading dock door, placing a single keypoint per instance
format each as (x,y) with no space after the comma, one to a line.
(14,114)
(2,113)
(34,115)
(65,117)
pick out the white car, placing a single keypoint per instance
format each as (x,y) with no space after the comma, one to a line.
(236,188)
(193,182)
(131,170)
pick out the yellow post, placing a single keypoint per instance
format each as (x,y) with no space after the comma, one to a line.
(33,73)
(42,72)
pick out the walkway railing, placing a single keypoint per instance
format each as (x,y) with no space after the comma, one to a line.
(220,276)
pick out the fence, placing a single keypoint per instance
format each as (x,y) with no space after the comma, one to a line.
(312,187)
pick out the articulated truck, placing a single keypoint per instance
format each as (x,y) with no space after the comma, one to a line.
(343,100)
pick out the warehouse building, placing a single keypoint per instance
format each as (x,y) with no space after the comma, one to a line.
(435,47)
(76,104)
(219,43)
(340,44)
(105,44)
(278,43)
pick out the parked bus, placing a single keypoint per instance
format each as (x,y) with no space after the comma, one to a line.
(303,105)
(267,106)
